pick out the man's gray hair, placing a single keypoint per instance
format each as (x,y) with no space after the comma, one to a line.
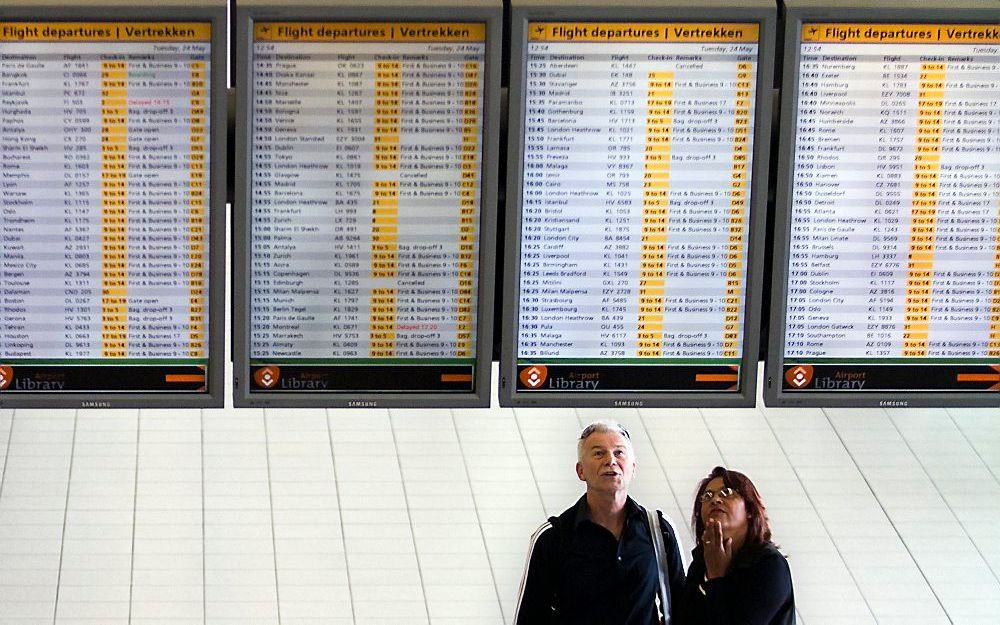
(603,425)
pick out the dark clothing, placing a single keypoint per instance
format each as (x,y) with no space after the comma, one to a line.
(757,590)
(579,574)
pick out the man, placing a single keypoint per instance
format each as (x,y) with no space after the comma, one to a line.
(595,563)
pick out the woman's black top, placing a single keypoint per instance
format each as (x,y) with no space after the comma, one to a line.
(757,590)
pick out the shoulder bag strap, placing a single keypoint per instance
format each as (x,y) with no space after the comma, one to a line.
(660,550)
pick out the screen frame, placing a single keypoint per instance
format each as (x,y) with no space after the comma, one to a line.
(246,15)
(209,11)
(796,15)
(763,14)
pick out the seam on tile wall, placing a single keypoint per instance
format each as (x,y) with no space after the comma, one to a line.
(270,499)
(340,514)
(944,499)
(475,510)
(822,523)
(715,442)
(62,537)
(6,453)
(135,508)
(663,469)
(409,517)
(975,450)
(204,557)
(531,465)
(885,513)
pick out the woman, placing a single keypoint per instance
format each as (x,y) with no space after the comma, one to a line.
(737,576)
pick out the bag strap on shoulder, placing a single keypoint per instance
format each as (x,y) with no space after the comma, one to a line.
(661,564)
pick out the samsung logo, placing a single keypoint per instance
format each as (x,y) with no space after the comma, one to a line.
(95,404)
(628,403)
(893,404)
(362,404)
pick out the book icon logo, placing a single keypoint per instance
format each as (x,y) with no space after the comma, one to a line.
(799,376)
(534,376)
(6,376)
(267,377)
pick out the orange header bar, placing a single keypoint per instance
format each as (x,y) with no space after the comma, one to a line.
(105,31)
(900,33)
(370,31)
(644,32)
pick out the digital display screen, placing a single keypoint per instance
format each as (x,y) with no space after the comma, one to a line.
(894,257)
(365,172)
(105,207)
(635,208)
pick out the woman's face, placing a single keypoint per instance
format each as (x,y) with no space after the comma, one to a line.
(730,512)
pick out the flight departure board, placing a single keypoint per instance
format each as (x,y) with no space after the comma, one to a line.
(366,199)
(104,277)
(893,264)
(637,155)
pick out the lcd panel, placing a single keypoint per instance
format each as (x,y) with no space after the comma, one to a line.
(366,144)
(893,265)
(104,277)
(635,211)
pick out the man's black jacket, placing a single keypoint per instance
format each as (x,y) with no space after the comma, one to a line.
(579,574)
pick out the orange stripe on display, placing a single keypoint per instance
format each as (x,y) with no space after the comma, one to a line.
(983,377)
(979,377)
(456,377)
(715,377)
(179,378)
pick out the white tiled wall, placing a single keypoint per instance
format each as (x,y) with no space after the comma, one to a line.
(394,517)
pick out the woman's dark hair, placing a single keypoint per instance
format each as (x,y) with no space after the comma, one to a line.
(758,530)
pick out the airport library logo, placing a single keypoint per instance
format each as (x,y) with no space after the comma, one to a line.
(534,376)
(38,381)
(799,376)
(267,377)
(802,376)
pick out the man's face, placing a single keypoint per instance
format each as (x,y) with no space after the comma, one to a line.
(607,465)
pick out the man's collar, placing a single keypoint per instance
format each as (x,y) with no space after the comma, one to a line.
(583,510)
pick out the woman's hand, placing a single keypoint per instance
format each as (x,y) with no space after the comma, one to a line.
(718,550)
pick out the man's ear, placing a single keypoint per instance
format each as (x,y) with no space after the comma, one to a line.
(579,472)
